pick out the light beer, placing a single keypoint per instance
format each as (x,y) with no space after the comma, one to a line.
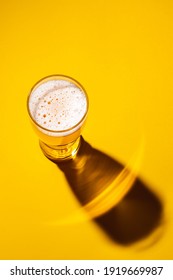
(58,107)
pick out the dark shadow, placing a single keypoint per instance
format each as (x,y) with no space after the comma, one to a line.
(134,217)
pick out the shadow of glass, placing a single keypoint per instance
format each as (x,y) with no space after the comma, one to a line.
(137,214)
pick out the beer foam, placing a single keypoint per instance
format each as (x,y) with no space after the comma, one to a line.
(57,105)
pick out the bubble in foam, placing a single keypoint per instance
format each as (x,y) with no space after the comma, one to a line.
(57,105)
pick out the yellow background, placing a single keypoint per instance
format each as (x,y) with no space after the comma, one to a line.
(121,52)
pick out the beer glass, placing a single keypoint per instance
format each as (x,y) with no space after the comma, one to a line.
(58,107)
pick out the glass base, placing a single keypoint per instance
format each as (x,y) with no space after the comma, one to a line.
(61,152)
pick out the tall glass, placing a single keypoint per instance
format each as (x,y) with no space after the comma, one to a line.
(58,107)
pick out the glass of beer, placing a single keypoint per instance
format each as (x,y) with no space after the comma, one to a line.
(58,107)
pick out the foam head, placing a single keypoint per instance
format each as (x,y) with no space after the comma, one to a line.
(58,105)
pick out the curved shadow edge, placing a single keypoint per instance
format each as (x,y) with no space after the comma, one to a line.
(135,217)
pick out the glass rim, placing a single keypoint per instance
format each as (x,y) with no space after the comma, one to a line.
(58,77)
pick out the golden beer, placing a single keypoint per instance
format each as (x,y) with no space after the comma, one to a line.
(58,107)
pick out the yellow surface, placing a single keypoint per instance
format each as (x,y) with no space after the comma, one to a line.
(121,52)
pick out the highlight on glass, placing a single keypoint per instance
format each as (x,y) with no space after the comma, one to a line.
(58,107)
